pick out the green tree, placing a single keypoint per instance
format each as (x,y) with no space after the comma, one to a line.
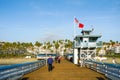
(38,44)
(112,42)
(56,46)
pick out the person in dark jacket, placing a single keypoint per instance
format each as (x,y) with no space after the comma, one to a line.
(50,62)
(59,59)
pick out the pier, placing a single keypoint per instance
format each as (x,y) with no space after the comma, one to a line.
(64,71)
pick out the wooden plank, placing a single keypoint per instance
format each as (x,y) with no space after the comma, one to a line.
(64,71)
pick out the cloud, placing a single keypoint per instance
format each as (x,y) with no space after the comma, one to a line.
(50,37)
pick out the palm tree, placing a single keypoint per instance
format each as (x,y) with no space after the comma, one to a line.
(56,46)
(38,44)
(112,42)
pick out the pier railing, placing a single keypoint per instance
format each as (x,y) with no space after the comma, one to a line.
(16,71)
(112,71)
(88,44)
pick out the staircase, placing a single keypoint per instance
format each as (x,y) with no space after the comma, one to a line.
(64,71)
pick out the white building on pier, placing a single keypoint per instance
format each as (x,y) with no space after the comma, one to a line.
(85,46)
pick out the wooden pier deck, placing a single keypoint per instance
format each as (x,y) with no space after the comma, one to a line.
(64,71)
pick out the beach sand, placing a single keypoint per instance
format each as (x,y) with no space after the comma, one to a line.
(116,59)
(109,60)
(16,60)
(22,60)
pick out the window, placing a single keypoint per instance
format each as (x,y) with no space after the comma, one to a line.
(92,39)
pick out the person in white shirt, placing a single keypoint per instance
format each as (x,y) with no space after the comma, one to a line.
(113,61)
(81,62)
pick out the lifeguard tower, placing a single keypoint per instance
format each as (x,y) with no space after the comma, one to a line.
(85,46)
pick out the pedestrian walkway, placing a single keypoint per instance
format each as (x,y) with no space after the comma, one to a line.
(64,71)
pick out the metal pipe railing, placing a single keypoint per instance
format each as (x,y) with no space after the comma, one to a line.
(16,71)
(112,71)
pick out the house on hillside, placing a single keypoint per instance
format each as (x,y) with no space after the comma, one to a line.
(101,52)
(114,48)
(117,49)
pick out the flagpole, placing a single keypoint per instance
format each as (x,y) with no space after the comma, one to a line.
(74,41)
(74,28)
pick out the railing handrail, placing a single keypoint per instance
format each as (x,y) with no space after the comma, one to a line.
(88,44)
(110,70)
(15,65)
(15,71)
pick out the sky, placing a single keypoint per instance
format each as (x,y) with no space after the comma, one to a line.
(48,20)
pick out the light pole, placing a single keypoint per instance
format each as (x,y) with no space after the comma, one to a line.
(46,58)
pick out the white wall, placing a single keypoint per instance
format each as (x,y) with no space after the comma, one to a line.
(75,56)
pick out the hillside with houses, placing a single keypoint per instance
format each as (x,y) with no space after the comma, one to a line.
(110,48)
(16,49)
(62,47)
(59,46)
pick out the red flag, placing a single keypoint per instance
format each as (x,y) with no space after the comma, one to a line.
(76,21)
(81,25)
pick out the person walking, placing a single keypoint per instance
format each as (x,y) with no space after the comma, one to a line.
(59,59)
(56,59)
(50,62)
(81,62)
(114,61)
